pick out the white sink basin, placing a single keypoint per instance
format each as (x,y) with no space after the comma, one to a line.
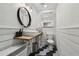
(30,31)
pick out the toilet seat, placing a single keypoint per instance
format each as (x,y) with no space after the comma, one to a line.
(50,41)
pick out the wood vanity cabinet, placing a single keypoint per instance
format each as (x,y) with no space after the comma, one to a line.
(33,41)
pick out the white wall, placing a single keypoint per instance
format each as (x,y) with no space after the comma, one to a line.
(8,15)
(67,15)
(36,21)
(67,37)
(8,24)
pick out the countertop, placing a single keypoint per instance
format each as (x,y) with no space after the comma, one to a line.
(29,35)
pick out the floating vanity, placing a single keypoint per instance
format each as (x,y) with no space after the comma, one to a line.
(33,41)
(29,36)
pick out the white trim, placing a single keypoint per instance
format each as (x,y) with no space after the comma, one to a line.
(73,27)
(47,11)
(10,27)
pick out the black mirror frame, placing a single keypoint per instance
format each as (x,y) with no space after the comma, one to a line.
(19,19)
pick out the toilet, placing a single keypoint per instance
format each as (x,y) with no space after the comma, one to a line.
(50,42)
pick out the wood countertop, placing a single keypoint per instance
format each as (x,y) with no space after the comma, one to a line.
(29,36)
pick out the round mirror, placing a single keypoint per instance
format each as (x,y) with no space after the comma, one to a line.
(24,17)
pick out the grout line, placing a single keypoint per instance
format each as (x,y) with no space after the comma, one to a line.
(68,33)
(8,28)
(5,40)
(7,34)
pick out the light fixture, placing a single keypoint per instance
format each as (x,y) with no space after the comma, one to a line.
(28,7)
(44,5)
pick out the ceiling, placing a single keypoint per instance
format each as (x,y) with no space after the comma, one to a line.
(40,6)
(50,6)
(44,12)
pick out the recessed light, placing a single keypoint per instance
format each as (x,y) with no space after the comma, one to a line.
(29,7)
(44,5)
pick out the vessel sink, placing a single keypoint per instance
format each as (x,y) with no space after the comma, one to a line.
(30,33)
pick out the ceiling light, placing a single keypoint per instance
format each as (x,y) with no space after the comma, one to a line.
(29,7)
(44,5)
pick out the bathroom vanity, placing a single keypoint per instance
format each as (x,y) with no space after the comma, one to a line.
(33,41)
